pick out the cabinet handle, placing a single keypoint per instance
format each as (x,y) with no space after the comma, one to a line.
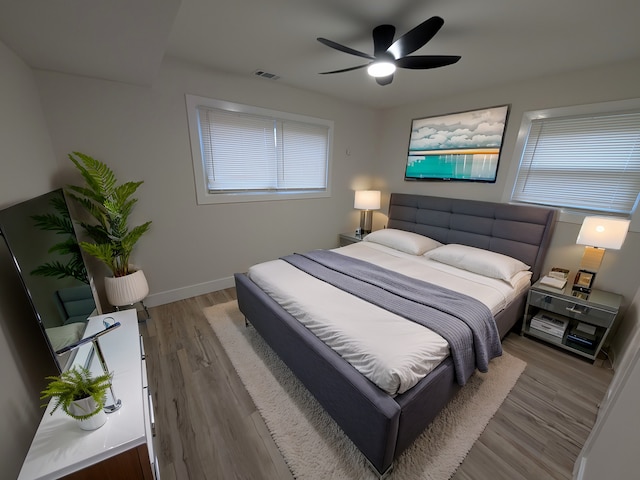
(142,354)
(152,417)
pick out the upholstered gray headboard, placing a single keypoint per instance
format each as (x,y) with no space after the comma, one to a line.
(519,231)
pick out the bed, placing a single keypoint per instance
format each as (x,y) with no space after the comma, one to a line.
(380,423)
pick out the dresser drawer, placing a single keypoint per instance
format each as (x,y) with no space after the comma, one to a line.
(561,306)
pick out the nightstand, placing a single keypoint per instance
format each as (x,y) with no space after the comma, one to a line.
(575,324)
(349,238)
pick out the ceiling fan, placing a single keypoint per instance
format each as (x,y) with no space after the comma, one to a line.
(389,55)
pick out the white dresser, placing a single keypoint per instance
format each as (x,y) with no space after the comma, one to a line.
(123,447)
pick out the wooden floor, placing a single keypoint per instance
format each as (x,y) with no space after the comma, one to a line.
(208,428)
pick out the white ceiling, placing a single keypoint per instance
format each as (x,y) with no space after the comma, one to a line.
(500,41)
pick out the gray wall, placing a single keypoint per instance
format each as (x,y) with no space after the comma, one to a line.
(28,170)
(619,272)
(142,133)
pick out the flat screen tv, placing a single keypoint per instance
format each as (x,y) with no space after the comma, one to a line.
(462,146)
(41,239)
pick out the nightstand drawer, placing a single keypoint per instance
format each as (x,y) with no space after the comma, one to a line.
(584,323)
(577,310)
(349,238)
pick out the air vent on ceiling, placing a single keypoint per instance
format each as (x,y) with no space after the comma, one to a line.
(267,75)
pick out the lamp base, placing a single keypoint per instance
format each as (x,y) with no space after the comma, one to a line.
(592,259)
(365,221)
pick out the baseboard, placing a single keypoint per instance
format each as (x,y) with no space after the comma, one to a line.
(169,296)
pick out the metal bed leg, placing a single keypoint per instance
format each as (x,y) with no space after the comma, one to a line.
(381,476)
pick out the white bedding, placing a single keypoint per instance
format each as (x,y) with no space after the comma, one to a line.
(389,350)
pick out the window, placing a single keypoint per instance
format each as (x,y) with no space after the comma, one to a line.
(585,161)
(243,153)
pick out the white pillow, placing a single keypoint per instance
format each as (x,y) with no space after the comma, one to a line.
(407,242)
(477,260)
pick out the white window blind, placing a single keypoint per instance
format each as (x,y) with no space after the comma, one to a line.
(590,162)
(245,152)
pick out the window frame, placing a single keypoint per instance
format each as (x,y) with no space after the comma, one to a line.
(204,196)
(574,215)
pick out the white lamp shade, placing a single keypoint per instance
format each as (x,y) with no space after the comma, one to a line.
(603,232)
(367,200)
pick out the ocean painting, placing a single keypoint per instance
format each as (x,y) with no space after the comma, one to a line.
(458,146)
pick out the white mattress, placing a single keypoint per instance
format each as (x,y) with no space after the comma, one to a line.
(389,350)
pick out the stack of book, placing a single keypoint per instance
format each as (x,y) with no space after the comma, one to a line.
(556,278)
(551,325)
(583,335)
(554,282)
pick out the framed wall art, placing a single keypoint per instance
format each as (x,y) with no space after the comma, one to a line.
(462,146)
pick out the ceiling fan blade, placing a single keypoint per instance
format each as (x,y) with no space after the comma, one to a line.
(382,38)
(384,80)
(421,62)
(342,48)
(345,69)
(416,38)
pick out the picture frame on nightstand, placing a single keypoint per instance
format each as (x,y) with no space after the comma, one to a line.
(583,282)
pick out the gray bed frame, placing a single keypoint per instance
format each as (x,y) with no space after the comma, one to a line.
(381,426)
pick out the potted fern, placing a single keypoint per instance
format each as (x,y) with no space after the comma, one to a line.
(80,395)
(109,204)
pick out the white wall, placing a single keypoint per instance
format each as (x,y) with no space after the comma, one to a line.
(28,170)
(619,272)
(612,447)
(142,134)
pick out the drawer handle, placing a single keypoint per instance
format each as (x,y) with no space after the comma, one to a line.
(576,309)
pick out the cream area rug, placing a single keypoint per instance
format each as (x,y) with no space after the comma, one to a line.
(313,445)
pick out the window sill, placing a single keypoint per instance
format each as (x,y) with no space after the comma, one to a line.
(216,198)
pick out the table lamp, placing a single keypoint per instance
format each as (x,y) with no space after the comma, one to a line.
(598,234)
(366,201)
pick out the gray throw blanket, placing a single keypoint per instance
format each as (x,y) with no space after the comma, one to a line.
(463,321)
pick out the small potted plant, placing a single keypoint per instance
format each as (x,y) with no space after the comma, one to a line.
(80,395)
(112,240)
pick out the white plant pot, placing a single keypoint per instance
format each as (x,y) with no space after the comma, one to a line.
(126,290)
(85,406)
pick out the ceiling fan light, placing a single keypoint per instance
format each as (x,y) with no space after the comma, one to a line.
(381,69)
